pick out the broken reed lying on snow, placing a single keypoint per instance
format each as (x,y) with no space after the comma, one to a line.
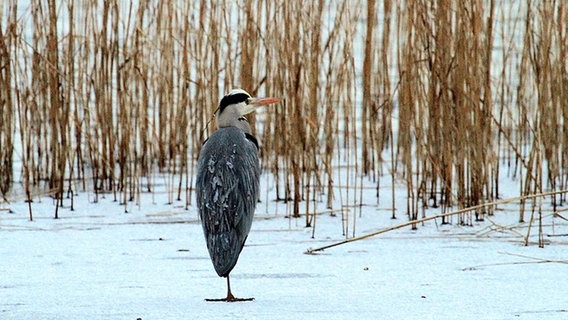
(98,95)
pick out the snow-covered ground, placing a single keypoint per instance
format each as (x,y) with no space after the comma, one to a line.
(100,263)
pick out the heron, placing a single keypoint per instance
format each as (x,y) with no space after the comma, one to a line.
(227,182)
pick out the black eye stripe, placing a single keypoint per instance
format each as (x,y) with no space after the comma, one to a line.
(232,99)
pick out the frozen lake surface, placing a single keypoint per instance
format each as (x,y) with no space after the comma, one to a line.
(100,263)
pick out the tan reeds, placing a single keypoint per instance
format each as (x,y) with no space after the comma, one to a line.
(445,113)
(114,97)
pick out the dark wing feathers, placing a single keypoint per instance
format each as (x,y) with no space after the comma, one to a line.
(252,139)
(227,190)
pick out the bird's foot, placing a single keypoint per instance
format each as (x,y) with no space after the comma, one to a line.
(230,298)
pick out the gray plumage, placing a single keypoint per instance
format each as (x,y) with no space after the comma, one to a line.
(227,182)
(228,174)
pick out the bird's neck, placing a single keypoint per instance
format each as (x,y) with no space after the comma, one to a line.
(232,117)
(242,124)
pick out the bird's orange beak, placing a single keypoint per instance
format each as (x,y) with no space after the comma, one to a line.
(264,101)
(254,103)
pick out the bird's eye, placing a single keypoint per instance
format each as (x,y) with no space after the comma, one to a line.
(247,101)
(242,119)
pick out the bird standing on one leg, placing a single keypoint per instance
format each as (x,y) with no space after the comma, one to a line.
(227,183)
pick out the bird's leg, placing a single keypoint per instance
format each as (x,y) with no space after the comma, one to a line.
(230,297)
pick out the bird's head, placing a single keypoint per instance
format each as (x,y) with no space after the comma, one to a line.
(235,105)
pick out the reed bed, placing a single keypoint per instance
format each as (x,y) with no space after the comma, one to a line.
(438,96)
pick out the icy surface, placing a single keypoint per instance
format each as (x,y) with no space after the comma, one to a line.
(152,263)
(98,262)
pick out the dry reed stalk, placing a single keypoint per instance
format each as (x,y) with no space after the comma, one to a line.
(562,91)
(58,108)
(441,114)
(164,113)
(293,80)
(468,90)
(26,110)
(312,134)
(248,44)
(125,125)
(385,98)
(348,93)
(68,74)
(368,70)
(183,101)
(331,49)
(553,98)
(102,137)
(524,94)
(7,38)
(407,75)
(438,216)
